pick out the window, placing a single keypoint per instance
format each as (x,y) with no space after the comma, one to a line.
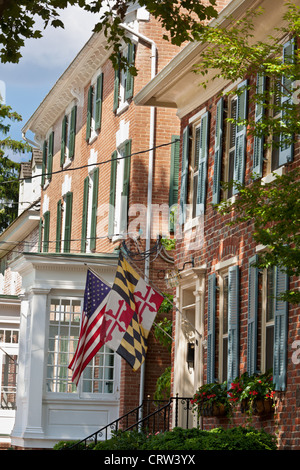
(67,221)
(46,232)
(89,211)
(274,334)
(119,190)
(194,169)
(48,147)
(225,346)
(64,330)
(281,151)
(124,82)
(231,142)
(68,134)
(44,229)
(267,319)
(235,151)
(94,108)
(174,175)
(58,226)
(9,338)
(230,165)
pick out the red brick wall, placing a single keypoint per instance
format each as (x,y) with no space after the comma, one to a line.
(221,242)
(167,124)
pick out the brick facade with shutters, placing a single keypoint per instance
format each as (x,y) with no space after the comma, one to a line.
(221,244)
(219,283)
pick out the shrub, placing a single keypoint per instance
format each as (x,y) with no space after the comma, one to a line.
(238,438)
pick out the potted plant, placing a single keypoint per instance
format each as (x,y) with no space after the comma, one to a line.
(212,400)
(255,393)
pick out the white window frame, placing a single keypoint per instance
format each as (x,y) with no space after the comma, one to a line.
(68,112)
(222,269)
(264,322)
(229,150)
(93,84)
(74,391)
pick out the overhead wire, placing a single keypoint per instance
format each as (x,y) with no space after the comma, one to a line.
(63,170)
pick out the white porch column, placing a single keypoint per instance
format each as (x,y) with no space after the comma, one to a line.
(30,424)
(36,362)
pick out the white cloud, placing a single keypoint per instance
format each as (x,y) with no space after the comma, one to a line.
(58,46)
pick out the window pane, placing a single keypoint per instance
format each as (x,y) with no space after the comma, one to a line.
(232,130)
(270,295)
(64,330)
(225,358)
(196,149)
(225,305)
(269,346)
(8,383)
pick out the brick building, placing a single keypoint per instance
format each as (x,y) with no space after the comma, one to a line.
(106,167)
(215,260)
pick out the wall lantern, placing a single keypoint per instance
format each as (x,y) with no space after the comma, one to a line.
(190,355)
(172,276)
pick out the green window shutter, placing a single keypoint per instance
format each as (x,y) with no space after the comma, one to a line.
(72,132)
(286,149)
(58,227)
(46,232)
(240,138)
(68,222)
(211,333)
(44,163)
(99,96)
(202,164)
(40,235)
(233,323)
(258,146)
(125,191)
(252,316)
(280,331)
(174,175)
(218,152)
(112,194)
(89,113)
(116,88)
(50,155)
(63,140)
(84,213)
(184,175)
(94,209)
(129,77)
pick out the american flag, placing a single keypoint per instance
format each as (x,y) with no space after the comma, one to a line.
(90,341)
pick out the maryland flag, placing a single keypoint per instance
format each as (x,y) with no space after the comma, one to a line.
(129,314)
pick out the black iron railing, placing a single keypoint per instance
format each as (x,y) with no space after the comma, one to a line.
(158,417)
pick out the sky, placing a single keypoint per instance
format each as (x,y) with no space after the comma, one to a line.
(24,85)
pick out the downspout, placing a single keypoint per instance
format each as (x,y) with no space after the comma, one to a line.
(150,183)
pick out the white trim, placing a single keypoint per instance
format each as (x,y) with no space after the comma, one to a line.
(197,116)
(225,264)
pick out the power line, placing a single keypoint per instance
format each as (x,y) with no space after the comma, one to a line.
(91,164)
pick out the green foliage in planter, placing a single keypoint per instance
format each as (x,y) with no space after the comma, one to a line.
(209,395)
(252,388)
